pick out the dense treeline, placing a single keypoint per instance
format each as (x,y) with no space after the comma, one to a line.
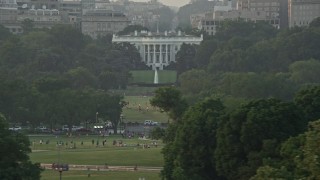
(59,76)
(248,60)
(260,139)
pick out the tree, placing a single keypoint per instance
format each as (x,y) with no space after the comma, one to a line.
(131,28)
(251,136)
(305,72)
(170,100)
(4,33)
(27,25)
(81,77)
(185,58)
(14,159)
(109,107)
(195,142)
(315,22)
(193,81)
(300,157)
(204,52)
(308,99)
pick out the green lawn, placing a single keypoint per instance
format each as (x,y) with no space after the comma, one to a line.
(167,76)
(88,154)
(100,175)
(147,112)
(147,76)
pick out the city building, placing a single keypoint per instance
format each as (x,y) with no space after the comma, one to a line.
(157,50)
(302,12)
(8,15)
(247,10)
(42,18)
(99,22)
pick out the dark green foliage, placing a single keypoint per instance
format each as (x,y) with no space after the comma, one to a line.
(315,23)
(308,100)
(131,29)
(252,135)
(157,133)
(185,58)
(190,155)
(170,101)
(299,158)
(14,159)
(4,33)
(27,25)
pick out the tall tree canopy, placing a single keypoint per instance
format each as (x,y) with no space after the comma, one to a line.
(14,159)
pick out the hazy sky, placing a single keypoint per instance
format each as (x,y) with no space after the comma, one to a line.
(177,3)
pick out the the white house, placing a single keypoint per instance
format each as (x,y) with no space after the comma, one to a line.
(157,50)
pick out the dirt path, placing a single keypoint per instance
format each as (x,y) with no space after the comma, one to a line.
(74,167)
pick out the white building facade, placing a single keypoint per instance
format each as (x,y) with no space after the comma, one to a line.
(157,50)
(302,12)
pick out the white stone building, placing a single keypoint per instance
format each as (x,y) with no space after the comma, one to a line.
(302,12)
(158,50)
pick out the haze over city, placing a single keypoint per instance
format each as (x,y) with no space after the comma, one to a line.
(159,89)
(177,3)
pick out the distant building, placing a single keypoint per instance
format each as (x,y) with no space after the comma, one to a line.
(247,10)
(270,7)
(42,18)
(99,22)
(210,24)
(302,12)
(8,15)
(157,50)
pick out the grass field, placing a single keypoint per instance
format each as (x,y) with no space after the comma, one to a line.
(147,77)
(146,112)
(100,175)
(86,153)
(90,154)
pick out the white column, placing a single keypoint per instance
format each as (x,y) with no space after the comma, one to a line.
(154,53)
(160,53)
(173,53)
(148,54)
(143,52)
(167,53)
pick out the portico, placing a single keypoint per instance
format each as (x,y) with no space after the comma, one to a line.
(157,50)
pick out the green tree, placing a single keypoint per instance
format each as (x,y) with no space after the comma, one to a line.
(204,52)
(109,107)
(251,136)
(14,159)
(27,25)
(195,142)
(4,33)
(193,81)
(315,22)
(81,77)
(300,157)
(305,72)
(131,28)
(185,58)
(308,99)
(170,100)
